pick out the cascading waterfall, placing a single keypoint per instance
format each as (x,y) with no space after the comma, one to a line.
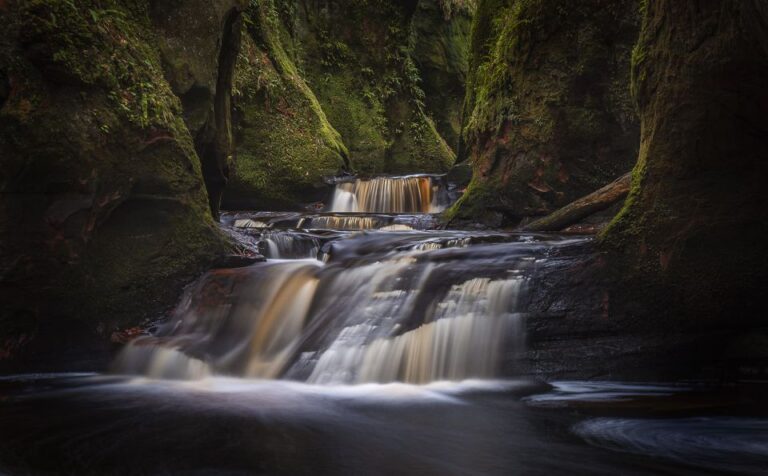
(289,244)
(413,194)
(387,303)
(409,312)
(342,222)
(462,337)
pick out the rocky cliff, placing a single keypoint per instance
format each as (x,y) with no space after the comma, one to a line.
(692,232)
(340,86)
(548,116)
(285,143)
(111,117)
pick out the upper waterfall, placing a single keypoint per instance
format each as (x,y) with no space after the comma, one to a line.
(409,194)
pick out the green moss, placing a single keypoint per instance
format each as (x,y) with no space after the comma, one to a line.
(548,116)
(285,143)
(476,204)
(357,58)
(106,43)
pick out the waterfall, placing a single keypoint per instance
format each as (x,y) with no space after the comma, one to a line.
(241,322)
(403,303)
(289,244)
(413,194)
(342,222)
(463,338)
(404,315)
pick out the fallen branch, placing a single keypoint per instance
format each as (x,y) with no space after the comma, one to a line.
(583,207)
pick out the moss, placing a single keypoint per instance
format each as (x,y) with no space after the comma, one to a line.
(105,213)
(441,31)
(285,143)
(694,200)
(107,44)
(548,116)
(357,58)
(477,204)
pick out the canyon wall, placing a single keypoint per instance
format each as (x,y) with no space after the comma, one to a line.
(330,87)
(692,232)
(548,115)
(113,118)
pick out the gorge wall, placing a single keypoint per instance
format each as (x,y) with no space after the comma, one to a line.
(114,119)
(548,115)
(692,232)
(325,87)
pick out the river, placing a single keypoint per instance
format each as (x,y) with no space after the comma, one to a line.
(370,341)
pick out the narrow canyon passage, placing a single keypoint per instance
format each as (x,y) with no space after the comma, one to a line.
(368,342)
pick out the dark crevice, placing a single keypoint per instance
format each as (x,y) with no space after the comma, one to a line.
(214,141)
(5,88)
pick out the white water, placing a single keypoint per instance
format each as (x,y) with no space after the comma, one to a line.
(387,303)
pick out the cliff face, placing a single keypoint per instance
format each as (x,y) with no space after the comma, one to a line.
(441,31)
(693,229)
(105,212)
(199,41)
(548,116)
(285,143)
(345,86)
(357,59)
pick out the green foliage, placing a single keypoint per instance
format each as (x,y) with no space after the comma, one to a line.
(358,59)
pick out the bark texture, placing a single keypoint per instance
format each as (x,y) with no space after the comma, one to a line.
(583,207)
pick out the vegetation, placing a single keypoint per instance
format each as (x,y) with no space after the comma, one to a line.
(548,114)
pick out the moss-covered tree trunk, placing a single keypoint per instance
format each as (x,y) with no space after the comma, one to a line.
(695,225)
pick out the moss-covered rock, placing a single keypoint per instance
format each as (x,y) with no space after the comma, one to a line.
(285,144)
(548,115)
(441,30)
(104,212)
(199,42)
(692,234)
(357,58)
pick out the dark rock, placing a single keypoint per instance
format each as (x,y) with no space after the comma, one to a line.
(548,115)
(691,239)
(104,213)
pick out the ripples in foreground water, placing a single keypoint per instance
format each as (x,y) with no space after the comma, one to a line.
(74,424)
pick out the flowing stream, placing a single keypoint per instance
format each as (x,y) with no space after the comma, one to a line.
(370,341)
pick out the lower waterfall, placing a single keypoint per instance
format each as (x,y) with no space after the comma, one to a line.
(407,306)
